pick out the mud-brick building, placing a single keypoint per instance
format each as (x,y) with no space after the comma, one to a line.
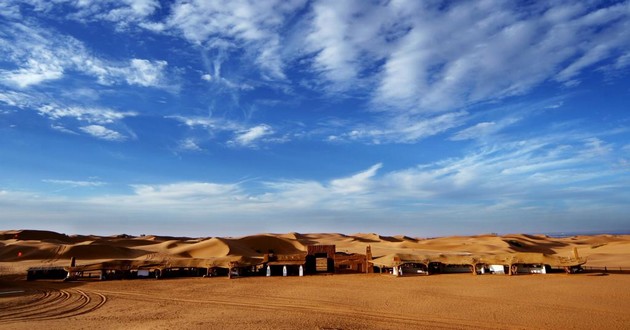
(320,259)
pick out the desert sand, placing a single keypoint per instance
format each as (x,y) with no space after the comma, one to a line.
(358,301)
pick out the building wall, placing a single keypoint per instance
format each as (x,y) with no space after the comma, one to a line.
(315,252)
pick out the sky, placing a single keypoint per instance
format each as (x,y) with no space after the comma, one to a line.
(219,118)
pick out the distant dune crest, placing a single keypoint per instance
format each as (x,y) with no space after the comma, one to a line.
(48,246)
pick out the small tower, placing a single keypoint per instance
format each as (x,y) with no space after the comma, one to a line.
(368,257)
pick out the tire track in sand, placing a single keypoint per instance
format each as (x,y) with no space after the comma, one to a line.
(418,320)
(49,304)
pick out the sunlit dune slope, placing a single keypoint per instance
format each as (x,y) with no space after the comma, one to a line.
(49,247)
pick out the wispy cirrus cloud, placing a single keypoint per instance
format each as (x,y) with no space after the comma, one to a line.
(15,98)
(484,129)
(185,191)
(392,52)
(75,183)
(357,183)
(189,144)
(39,55)
(399,57)
(402,129)
(208,123)
(241,135)
(389,55)
(96,117)
(123,13)
(507,185)
(145,73)
(248,25)
(104,133)
(86,114)
(250,136)
(71,118)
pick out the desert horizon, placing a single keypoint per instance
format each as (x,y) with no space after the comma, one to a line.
(600,249)
(317,301)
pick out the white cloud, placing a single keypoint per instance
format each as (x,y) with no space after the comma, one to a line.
(103,133)
(205,122)
(478,64)
(89,115)
(221,81)
(62,129)
(408,59)
(484,129)
(242,136)
(524,174)
(189,145)
(402,129)
(65,118)
(359,182)
(127,11)
(251,135)
(35,72)
(476,131)
(335,54)
(252,26)
(75,183)
(393,51)
(41,55)
(145,73)
(555,105)
(10,10)
(183,194)
(15,99)
(508,184)
(122,13)
(596,147)
(412,60)
(209,123)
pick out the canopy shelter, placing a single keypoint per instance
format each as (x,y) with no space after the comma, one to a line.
(442,262)
(158,268)
(289,264)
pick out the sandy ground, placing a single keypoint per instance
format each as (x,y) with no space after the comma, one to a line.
(361,301)
(579,301)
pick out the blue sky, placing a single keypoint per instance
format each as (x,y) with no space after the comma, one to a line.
(412,117)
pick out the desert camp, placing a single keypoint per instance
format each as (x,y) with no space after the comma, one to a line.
(280,255)
(314,280)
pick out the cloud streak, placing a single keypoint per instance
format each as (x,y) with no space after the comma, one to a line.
(250,136)
(390,55)
(40,56)
(501,187)
(103,133)
(90,115)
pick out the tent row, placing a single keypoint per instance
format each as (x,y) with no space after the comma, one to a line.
(510,263)
(317,259)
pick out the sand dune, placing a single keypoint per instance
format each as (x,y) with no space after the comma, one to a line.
(213,247)
(47,246)
(264,243)
(35,235)
(100,251)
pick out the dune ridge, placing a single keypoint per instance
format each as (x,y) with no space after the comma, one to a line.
(48,246)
